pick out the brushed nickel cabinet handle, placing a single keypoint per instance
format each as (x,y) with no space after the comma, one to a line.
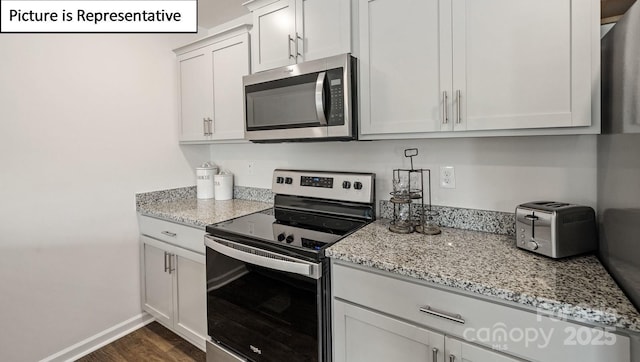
(289,40)
(458,102)
(166,264)
(204,126)
(171,267)
(169,233)
(298,38)
(445,115)
(211,127)
(435,354)
(452,317)
(452,358)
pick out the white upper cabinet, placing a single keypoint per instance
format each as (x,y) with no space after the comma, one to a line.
(195,96)
(324,28)
(477,65)
(405,68)
(274,35)
(229,63)
(291,31)
(522,64)
(210,87)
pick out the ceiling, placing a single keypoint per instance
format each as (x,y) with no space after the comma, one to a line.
(612,10)
(216,12)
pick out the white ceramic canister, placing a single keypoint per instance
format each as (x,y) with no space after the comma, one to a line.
(204,180)
(223,185)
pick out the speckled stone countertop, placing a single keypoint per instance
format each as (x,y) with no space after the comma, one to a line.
(182,206)
(490,265)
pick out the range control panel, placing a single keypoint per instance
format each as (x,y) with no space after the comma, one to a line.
(316,181)
(342,186)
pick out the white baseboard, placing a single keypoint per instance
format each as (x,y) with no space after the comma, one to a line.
(101,339)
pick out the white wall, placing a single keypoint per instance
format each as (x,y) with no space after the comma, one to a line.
(85,122)
(491,173)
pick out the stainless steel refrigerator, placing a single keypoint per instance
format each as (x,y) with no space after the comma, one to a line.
(619,154)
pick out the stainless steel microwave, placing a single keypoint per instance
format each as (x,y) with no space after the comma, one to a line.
(310,101)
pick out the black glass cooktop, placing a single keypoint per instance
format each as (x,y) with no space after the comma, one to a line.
(298,232)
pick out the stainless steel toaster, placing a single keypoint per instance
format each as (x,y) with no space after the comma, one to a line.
(556,229)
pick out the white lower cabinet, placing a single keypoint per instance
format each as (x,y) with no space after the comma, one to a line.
(174,284)
(379,316)
(370,336)
(364,335)
(158,283)
(456,350)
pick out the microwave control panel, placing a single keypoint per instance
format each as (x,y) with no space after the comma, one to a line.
(336,96)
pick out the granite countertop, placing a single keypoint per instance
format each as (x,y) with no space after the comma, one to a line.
(490,265)
(182,206)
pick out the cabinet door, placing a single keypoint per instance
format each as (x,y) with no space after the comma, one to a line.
(458,351)
(405,72)
(323,28)
(229,62)
(522,64)
(190,296)
(195,94)
(274,27)
(158,284)
(361,335)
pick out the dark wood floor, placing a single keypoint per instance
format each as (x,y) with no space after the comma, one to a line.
(152,342)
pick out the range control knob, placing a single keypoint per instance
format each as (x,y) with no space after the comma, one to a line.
(288,180)
(279,179)
(281,237)
(532,244)
(357,185)
(346,184)
(289,239)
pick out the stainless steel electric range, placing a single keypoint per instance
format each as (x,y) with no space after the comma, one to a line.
(268,282)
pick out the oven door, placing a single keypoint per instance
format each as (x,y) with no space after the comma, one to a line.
(262,305)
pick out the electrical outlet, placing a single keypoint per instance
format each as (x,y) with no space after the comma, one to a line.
(251,167)
(447,177)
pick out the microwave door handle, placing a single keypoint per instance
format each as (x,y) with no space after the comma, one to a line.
(320,99)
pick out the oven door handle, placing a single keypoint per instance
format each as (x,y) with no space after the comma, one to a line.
(264,258)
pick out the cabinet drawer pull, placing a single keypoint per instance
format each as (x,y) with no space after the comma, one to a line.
(435,354)
(166,264)
(452,317)
(452,358)
(169,233)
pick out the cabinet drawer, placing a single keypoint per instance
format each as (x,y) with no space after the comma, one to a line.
(172,233)
(525,334)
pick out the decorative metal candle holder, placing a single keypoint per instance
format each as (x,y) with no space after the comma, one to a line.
(408,198)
